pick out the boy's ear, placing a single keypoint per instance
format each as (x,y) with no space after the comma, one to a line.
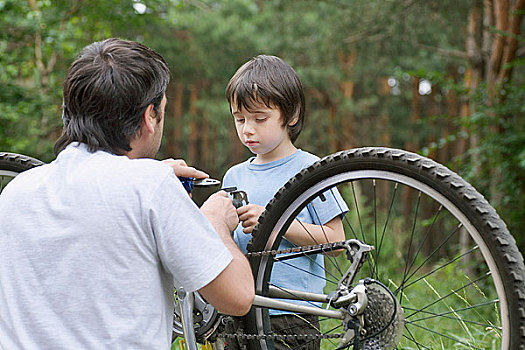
(293,121)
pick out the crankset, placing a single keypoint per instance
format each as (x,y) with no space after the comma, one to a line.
(205,317)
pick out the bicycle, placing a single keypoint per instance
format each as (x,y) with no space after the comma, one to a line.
(427,263)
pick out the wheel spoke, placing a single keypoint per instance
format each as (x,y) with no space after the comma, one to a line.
(375,223)
(431,255)
(412,232)
(451,293)
(429,230)
(389,212)
(331,258)
(443,335)
(4,180)
(308,272)
(411,338)
(456,311)
(440,267)
(357,211)
(369,261)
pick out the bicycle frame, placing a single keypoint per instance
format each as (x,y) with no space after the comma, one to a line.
(349,302)
(186,307)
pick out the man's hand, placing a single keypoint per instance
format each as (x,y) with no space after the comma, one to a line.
(180,168)
(220,211)
(249,215)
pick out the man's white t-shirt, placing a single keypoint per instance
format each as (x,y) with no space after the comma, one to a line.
(90,245)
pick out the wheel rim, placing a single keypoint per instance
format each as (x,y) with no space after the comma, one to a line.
(429,311)
(5,177)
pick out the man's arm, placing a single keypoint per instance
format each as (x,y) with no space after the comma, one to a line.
(232,291)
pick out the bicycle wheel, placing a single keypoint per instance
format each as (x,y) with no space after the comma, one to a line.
(12,164)
(440,249)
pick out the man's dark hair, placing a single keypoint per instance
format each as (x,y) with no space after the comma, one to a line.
(106,91)
(271,81)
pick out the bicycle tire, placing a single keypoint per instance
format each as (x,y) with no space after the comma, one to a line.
(485,286)
(12,164)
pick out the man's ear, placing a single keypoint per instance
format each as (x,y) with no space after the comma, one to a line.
(149,119)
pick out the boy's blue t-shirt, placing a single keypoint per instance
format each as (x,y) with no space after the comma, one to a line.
(261,182)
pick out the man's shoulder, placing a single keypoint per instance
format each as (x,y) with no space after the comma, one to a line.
(119,163)
(144,166)
(105,167)
(134,172)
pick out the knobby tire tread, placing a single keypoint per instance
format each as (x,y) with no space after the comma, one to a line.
(17,162)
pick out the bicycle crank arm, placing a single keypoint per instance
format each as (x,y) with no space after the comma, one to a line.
(285,306)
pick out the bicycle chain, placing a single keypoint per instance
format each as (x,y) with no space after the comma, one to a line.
(278,336)
(326,247)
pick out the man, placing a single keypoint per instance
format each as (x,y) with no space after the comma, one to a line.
(92,244)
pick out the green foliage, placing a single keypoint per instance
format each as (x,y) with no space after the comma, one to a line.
(500,169)
(37,45)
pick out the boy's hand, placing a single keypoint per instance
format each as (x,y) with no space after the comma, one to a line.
(180,168)
(249,215)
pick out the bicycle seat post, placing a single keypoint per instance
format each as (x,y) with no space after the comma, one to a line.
(186,301)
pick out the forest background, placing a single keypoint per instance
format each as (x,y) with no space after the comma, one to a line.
(442,78)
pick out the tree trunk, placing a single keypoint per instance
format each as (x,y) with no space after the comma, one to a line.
(193,137)
(347,64)
(214,146)
(511,42)
(415,115)
(174,122)
(477,47)
(447,152)
(236,148)
(332,127)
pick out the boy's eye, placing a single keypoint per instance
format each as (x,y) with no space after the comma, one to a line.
(239,120)
(260,120)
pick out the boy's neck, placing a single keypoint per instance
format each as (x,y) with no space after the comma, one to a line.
(283,151)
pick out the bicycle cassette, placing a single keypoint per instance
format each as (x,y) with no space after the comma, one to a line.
(383,319)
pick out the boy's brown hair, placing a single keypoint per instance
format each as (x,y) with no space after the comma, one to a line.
(271,81)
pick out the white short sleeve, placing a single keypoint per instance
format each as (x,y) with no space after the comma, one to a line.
(188,245)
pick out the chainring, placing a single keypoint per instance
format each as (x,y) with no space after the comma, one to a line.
(206,319)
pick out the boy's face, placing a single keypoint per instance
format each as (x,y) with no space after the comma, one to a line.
(261,130)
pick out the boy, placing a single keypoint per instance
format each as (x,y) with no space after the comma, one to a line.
(267,102)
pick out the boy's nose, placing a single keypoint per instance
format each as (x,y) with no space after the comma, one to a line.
(248,128)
